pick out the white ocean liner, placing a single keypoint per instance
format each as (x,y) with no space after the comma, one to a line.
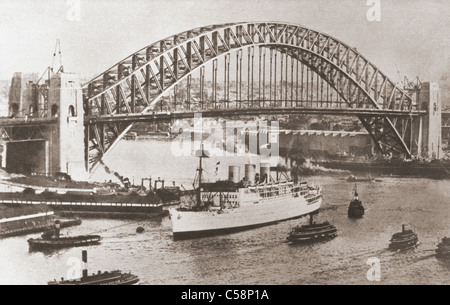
(228,206)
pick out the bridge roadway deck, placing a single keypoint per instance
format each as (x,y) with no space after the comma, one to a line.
(167,116)
(231,113)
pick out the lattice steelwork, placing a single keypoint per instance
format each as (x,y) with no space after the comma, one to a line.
(288,66)
(22,133)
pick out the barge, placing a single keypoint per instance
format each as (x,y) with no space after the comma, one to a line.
(88,203)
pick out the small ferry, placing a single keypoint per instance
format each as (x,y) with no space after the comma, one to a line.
(406,239)
(355,209)
(443,248)
(234,205)
(312,232)
(115,277)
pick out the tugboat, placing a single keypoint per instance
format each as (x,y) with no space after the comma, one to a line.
(115,277)
(355,209)
(312,232)
(51,239)
(403,240)
(443,248)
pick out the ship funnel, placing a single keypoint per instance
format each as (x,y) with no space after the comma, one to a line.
(250,173)
(234,174)
(84,258)
(264,172)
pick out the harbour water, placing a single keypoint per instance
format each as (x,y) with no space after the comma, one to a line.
(258,256)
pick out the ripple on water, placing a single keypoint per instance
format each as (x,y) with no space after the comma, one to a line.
(259,256)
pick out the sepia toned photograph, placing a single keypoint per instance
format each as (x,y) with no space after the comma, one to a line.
(243,143)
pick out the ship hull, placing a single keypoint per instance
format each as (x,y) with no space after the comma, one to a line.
(305,240)
(355,213)
(403,245)
(190,224)
(112,278)
(444,254)
(64,242)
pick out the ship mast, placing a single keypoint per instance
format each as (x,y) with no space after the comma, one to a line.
(200,169)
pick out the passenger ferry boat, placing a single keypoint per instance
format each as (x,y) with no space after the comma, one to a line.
(443,248)
(312,232)
(233,205)
(406,239)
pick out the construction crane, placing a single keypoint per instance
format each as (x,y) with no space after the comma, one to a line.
(406,84)
(415,84)
(59,54)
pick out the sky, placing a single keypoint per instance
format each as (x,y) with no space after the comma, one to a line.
(411,39)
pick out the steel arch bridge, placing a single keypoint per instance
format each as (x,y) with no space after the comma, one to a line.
(296,70)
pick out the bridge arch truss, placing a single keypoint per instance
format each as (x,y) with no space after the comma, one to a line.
(140,83)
